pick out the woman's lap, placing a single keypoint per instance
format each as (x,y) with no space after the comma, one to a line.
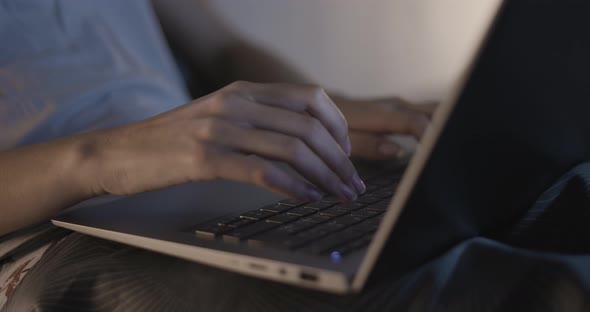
(86,273)
(83,273)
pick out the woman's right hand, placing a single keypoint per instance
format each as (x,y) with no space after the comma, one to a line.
(234,133)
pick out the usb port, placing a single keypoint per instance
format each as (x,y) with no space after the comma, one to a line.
(310,277)
(257,266)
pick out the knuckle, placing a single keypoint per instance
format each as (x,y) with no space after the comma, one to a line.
(296,149)
(210,128)
(312,127)
(260,172)
(223,103)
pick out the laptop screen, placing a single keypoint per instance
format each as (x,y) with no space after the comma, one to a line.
(521,122)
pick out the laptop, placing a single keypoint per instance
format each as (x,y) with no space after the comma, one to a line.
(516,121)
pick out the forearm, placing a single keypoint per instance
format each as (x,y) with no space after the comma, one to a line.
(38,180)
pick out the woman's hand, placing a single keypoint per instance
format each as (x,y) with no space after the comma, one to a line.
(233,133)
(370,122)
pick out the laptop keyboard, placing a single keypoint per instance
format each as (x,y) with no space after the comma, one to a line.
(319,228)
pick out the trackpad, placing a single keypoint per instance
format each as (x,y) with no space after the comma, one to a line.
(173,208)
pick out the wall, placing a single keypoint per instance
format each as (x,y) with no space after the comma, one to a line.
(414,48)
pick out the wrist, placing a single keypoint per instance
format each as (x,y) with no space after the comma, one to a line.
(84,163)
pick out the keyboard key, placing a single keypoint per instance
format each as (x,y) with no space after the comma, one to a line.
(295,227)
(380,206)
(368,199)
(318,205)
(377,208)
(314,233)
(292,202)
(334,212)
(241,222)
(212,230)
(364,227)
(321,230)
(350,206)
(257,214)
(347,220)
(228,220)
(282,218)
(330,227)
(365,213)
(330,199)
(276,208)
(248,231)
(316,218)
(301,212)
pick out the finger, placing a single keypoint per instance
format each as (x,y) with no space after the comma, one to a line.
(383,119)
(307,128)
(251,169)
(275,146)
(301,98)
(373,146)
(425,107)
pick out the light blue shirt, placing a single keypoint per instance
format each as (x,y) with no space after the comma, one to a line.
(68,66)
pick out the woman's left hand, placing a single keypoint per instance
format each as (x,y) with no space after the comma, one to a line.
(371,121)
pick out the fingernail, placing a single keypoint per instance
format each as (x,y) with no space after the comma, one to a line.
(389,149)
(359,185)
(348,146)
(313,194)
(347,193)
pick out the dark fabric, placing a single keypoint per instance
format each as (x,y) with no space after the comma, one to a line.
(37,236)
(541,264)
